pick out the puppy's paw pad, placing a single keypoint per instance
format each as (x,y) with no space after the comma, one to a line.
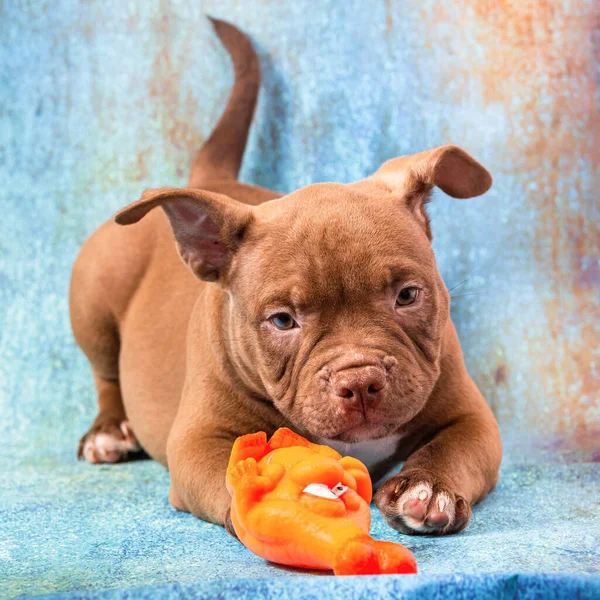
(108,442)
(416,501)
(422,507)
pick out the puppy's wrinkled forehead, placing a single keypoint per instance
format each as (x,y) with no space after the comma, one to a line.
(328,242)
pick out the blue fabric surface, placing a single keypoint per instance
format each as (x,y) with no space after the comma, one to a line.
(99,100)
(69,526)
(460,587)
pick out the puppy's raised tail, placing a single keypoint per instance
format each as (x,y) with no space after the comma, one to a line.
(221,155)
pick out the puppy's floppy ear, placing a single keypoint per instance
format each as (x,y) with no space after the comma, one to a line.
(208,227)
(449,167)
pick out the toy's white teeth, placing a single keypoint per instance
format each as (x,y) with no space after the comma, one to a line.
(339,489)
(320,490)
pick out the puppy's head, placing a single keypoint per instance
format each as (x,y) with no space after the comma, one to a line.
(334,297)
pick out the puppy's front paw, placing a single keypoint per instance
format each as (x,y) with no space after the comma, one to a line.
(414,502)
(107,442)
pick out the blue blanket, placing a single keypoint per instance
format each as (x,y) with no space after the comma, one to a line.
(69,526)
(100,100)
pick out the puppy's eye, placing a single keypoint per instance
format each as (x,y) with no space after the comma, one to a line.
(283,321)
(407,296)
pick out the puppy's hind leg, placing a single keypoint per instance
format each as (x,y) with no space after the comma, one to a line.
(110,438)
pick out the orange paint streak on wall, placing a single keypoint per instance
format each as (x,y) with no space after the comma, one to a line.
(176,110)
(542,56)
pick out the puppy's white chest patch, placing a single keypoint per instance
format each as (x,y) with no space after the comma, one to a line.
(370,452)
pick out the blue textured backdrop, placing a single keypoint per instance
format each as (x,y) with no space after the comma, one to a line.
(99,100)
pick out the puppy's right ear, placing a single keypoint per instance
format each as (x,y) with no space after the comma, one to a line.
(448,167)
(208,227)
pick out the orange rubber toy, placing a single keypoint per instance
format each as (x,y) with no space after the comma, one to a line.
(303,505)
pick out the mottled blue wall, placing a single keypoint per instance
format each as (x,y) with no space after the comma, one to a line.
(101,99)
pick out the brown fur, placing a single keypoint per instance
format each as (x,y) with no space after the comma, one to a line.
(180,340)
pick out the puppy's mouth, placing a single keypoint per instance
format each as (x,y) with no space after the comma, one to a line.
(367,430)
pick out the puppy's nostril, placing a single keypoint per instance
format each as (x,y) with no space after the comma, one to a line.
(374,388)
(346,393)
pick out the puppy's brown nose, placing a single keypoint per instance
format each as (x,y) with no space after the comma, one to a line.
(359,387)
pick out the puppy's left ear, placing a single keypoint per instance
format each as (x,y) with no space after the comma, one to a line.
(449,167)
(208,227)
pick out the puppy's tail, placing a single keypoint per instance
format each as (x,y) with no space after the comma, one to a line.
(221,155)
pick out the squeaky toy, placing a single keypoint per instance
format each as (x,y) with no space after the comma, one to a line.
(304,505)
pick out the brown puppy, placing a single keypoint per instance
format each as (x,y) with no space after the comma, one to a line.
(324,312)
